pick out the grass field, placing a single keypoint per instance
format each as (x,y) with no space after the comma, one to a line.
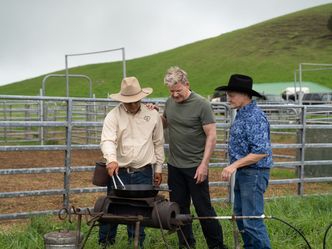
(310,215)
(268,51)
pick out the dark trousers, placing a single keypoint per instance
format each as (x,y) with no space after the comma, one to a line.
(183,188)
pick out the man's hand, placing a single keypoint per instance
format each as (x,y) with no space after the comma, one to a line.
(152,106)
(227,173)
(201,173)
(112,168)
(243,162)
(157,179)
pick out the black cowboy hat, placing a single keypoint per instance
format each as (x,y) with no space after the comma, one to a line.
(239,83)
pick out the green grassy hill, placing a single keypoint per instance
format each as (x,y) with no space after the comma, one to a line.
(268,51)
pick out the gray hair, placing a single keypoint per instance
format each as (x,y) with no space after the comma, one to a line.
(175,75)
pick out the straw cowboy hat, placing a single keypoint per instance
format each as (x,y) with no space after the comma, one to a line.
(239,83)
(131,91)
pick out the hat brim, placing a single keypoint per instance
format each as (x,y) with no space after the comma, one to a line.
(239,89)
(133,98)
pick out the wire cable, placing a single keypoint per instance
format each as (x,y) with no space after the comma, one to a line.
(161,226)
(256,217)
(184,238)
(325,236)
(302,235)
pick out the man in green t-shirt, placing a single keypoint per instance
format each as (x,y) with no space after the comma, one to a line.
(192,138)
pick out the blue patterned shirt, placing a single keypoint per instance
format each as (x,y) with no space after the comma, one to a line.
(250,133)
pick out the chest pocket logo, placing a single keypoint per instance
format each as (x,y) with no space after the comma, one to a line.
(147,118)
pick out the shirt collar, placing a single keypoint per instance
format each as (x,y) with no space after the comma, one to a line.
(247,108)
(125,109)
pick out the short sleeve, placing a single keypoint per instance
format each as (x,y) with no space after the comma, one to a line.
(207,115)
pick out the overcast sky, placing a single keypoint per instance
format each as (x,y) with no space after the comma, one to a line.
(37,34)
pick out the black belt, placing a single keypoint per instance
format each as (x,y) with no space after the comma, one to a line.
(130,170)
(252,168)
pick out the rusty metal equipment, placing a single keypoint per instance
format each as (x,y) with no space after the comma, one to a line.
(155,212)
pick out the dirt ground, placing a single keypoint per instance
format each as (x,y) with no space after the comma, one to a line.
(36,159)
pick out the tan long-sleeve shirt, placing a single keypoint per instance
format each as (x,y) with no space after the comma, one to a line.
(133,140)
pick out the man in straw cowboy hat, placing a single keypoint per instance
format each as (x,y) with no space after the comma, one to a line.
(132,143)
(250,156)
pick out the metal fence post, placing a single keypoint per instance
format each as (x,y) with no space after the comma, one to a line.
(67,75)
(68,154)
(5,119)
(232,180)
(27,118)
(95,140)
(41,117)
(123,63)
(300,185)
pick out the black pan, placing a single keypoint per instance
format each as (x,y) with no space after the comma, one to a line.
(137,191)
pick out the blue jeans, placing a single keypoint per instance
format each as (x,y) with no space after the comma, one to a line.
(107,232)
(249,189)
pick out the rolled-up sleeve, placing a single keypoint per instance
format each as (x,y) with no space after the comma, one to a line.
(258,132)
(158,143)
(109,138)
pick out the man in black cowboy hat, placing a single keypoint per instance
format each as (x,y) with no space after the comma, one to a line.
(250,156)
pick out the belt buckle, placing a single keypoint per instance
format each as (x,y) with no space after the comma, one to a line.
(130,170)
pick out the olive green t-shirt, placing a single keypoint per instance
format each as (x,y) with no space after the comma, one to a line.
(185,128)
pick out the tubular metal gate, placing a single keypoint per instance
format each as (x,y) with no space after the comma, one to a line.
(65,124)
